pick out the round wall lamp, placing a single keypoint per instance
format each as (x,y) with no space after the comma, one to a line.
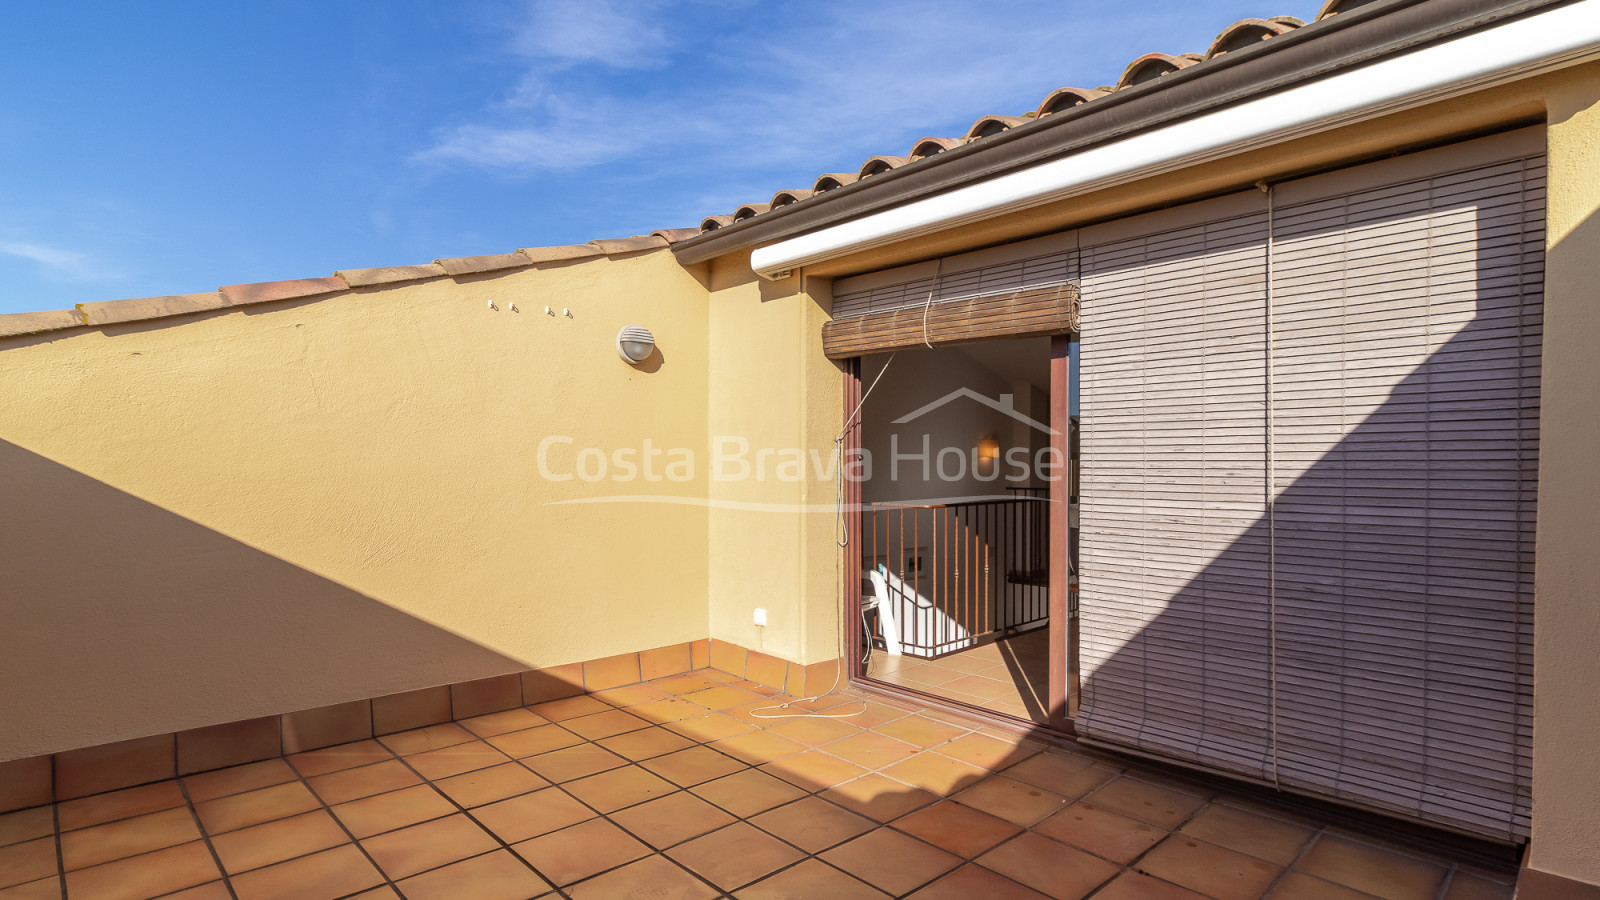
(634,344)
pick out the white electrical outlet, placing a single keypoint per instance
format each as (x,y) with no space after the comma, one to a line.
(761,617)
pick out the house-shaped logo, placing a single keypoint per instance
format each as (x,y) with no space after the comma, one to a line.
(1006,404)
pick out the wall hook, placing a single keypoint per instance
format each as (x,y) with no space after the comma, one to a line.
(492,306)
(548,311)
(512,306)
(566,312)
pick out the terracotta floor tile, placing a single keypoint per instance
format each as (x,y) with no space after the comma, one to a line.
(668,710)
(492,876)
(672,819)
(27,861)
(874,713)
(1134,886)
(878,798)
(871,750)
(811,878)
(138,801)
(43,889)
(383,892)
(1068,775)
(503,722)
(429,845)
(710,726)
(236,780)
(570,708)
(725,697)
(340,756)
(936,773)
(28,824)
(645,743)
(619,788)
(320,876)
(488,785)
(984,751)
(1146,802)
(958,829)
(127,837)
(654,877)
(734,856)
(364,781)
(255,807)
(1088,827)
(696,765)
(447,761)
(531,815)
(604,725)
(979,686)
(214,890)
(923,732)
(1014,801)
(575,853)
(891,861)
(150,875)
(1209,869)
(631,695)
(747,793)
(687,683)
(815,732)
(1273,840)
(569,763)
(974,882)
(814,770)
(272,842)
(926,675)
(522,744)
(1049,867)
(431,737)
(813,824)
(1365,867)
(386,812)
(757,747)
(1300,886)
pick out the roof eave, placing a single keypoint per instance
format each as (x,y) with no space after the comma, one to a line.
(1306,54)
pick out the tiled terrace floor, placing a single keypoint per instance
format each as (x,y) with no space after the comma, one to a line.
(674,789)
(1010,675)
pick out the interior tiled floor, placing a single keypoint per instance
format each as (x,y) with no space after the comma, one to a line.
(675,789)
(1009,675)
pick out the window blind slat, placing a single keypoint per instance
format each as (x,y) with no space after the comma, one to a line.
(1402,419)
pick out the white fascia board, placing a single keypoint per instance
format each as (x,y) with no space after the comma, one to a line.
(1553,39)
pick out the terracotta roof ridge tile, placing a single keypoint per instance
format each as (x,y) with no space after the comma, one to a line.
(111,312)
(390,274)
(19,324)
(674,235)
(270,291)
(616,246)
(562,253)
(477,265)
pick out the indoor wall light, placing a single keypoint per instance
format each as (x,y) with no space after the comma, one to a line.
(634,344)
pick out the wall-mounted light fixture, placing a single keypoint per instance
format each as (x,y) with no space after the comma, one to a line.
(988,450)
(634,344)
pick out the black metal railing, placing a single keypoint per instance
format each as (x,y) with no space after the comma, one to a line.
(946,576)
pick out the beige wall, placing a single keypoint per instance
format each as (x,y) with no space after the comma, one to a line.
(295,504)
(771,538)
(1566,720)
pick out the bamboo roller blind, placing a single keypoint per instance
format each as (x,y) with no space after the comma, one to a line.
(1307,552)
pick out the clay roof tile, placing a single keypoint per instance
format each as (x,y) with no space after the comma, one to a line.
(784,198)
(1246,33)
(712,223)
(750,211)
(1068,97)
(1151,66)
(932,146)
(878,165)
(991,125)
(833,180)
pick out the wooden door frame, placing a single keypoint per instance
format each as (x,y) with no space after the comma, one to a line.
(1060,661)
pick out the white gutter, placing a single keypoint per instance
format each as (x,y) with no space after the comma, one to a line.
(1560,37)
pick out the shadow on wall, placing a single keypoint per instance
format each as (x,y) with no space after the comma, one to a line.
(1404,550)
(159,622)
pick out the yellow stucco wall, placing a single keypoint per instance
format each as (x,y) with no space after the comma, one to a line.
(771,534)
(1566,716)
(297,504)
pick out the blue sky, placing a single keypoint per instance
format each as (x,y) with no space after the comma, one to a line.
(163,147)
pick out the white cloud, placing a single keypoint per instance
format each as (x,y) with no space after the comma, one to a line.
(673,89)
(65,265)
